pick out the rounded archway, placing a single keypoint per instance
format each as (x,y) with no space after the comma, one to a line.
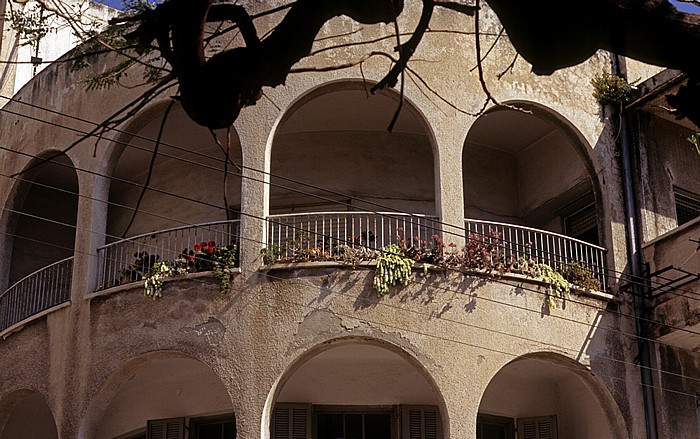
(336,138)
(185,183)
(530,167)
(192,194)
(339,177)
(163,391)
(547,396)
(24,414)
(355,389)
(41,226)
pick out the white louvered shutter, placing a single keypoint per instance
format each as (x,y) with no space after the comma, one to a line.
(291,421)
(173,428)
(542,427)
(420,422)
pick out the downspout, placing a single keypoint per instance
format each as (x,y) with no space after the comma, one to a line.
(635,257)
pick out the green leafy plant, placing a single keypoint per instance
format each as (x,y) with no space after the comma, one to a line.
(393,268)
(205,256)
(558,288)
(609,88)
(578,274)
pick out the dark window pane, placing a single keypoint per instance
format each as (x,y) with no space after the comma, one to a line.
(378,426)
(353,426)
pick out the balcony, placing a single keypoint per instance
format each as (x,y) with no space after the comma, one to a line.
(673,265)
(130,259)
(323,236)
(36,294)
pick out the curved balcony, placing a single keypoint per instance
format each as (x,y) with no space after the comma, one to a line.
(541,246)
(325,232)
(130,259)
(35,294)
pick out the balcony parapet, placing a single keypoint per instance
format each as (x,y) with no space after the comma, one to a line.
(131,259)
(36,295)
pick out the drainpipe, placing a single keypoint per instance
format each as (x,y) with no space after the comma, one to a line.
(635,257)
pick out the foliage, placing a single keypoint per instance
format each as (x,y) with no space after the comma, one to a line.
(609,88)
(557,287)
(205,256)
(31,23)
(481,252)
(394,267)
(142,265)
(578,274)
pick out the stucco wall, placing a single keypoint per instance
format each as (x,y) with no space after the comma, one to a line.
(455,331)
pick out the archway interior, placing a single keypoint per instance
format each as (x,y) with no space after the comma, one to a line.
(357,390)
(187,182)
(521,169)
(30,417)
(545,399)
(44,225)
(177,393)
(339,141)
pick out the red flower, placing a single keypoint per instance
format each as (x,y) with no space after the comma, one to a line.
(211,244)
(197,247)
(209,250)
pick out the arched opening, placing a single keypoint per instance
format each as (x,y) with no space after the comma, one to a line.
(43,219)
(529,179)
(39,241)
(25,414)
(332,158)
(545,397)
(186,201)
(357,390)
(166,393)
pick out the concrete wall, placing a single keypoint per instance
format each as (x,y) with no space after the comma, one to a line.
(455,332)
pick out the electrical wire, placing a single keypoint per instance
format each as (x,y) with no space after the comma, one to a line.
(448,232)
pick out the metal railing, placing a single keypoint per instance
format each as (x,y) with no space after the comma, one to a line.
(329,230)
(128,260)
(544,247)
(37,292)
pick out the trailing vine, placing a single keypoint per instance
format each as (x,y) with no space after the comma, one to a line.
(205,256)
(482,252)
(557,287)
(393,268)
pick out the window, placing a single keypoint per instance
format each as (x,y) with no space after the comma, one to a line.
(494,427)
(173,428)
(687,206)
(216,427)
(583,224)
(541,427)
(212,427)
(303,421)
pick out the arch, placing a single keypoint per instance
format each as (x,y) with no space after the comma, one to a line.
(186,186)
(500,140)
(358,122)
(334,374)
(40,221)
(549,386)
(154,386)
(25,413)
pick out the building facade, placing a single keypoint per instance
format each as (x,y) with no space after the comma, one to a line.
(300,344)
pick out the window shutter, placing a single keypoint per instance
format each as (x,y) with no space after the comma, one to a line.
(291,421)
(420,422)
(173,428)
(542,427)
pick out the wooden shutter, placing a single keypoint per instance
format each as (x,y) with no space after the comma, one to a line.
(173,428)
(420,422)
(291,421)
(542,427)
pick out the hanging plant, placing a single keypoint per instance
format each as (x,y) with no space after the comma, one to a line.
(393,268)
